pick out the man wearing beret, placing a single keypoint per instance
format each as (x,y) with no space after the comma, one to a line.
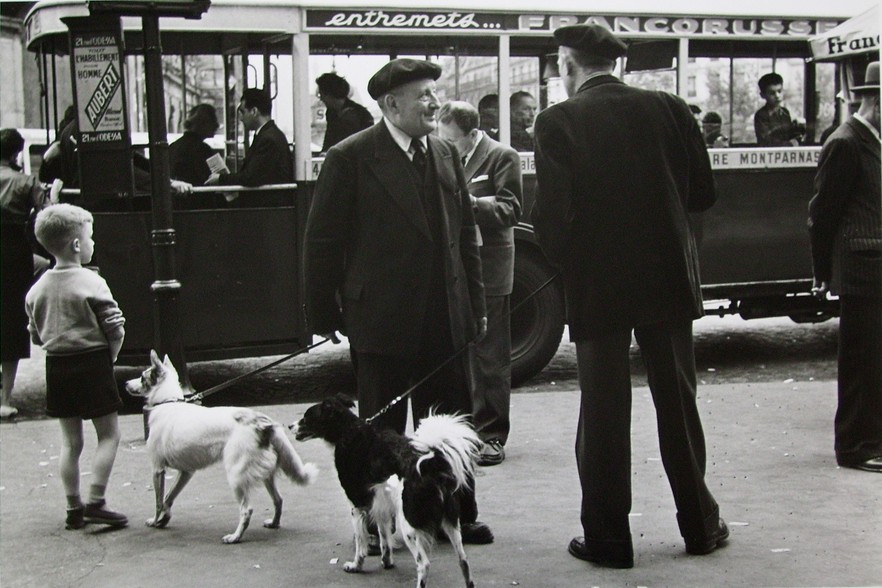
(392,259)
(845,226)
(618,169)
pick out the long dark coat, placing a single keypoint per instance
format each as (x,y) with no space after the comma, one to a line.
(618,168)
(369,249)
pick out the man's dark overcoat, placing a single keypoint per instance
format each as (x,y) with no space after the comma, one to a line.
(626,250)
(369,247)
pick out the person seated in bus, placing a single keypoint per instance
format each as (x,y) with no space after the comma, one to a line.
(712,129)
(772,123)
(523,113)
(52,167)
(344,116)
(268,160)
(188,156)
(488,111)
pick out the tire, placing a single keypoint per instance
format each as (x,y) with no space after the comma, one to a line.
(536,326)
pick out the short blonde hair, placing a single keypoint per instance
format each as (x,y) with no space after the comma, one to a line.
(59,224)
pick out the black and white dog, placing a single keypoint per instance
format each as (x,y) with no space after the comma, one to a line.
(404,484)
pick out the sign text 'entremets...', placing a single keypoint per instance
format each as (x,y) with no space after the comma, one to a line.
(449,21)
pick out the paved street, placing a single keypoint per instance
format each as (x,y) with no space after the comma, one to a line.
(796,518)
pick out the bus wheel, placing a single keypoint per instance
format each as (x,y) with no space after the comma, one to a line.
(537,326)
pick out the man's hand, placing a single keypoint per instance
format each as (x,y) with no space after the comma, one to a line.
(180,187)
(332,336)
(482,328)
(820,289)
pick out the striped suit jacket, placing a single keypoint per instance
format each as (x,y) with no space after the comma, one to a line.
(845,214)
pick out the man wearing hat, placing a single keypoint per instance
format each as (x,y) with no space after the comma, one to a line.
(618,171)
(392,259)
(845,224)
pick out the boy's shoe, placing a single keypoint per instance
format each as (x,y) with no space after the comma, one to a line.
(97,512)
(492,453)
(74,519)
(8,412)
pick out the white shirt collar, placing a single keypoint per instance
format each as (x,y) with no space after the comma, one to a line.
(867,124)
(402,139)
(472,152)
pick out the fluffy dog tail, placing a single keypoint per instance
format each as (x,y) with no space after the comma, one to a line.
(453,438)
(289,460)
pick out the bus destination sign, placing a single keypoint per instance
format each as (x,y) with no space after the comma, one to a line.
(629,26)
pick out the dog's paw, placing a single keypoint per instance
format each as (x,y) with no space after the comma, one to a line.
(231,538)
(160,522)
(388,564)
(351,567)
(271,524)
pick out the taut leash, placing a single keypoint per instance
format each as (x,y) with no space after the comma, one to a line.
(456,354)
(223,385)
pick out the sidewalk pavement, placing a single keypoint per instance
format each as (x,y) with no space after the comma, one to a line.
(796,519)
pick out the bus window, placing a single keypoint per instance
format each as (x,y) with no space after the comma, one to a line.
(826,99)
(201,80)
(746,99)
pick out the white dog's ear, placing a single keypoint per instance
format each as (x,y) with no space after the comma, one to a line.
(154,358)
(167,362)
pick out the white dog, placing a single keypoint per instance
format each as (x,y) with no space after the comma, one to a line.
(187,437)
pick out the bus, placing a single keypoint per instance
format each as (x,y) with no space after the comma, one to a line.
(242,290)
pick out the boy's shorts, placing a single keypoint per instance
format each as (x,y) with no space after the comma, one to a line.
(81,385)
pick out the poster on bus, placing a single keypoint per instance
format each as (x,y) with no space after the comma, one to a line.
(98,76)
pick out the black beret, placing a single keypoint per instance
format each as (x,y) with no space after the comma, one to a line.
(399,72)
(592,39)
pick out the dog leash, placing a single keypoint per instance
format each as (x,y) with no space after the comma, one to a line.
(198,397)
(456,354)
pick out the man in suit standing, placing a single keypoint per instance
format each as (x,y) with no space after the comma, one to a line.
(391,258)
(845,224)
(493,172)
(268,160)
(612,209)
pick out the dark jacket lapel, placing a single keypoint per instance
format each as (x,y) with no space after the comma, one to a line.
(865,136)
(388,165)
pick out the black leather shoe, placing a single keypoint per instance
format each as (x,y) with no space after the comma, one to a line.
(476,533)
(874,464)
(579,549)
(706,546)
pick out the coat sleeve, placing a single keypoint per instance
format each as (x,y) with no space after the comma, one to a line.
(837,170)
(260,164)
(552,212)
(327,232)
(702,188)
(502,209)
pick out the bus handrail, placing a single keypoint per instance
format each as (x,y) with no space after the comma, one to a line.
(212,189)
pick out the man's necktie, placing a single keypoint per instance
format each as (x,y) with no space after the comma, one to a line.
(419,157)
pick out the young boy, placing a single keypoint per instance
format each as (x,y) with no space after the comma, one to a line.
(74,317)
(772,122)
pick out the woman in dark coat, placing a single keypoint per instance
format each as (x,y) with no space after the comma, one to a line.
(19,195)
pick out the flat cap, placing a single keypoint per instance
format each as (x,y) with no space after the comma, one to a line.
(399,72)
(592,39)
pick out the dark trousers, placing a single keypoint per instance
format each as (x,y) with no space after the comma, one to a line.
(858,423)
(490,373)
(381,378)
(603,440)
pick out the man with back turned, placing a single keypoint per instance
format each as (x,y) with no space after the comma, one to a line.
(618,171)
